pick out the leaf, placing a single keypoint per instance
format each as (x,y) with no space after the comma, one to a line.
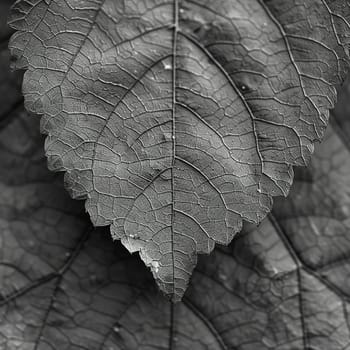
(281,286)
(177,120)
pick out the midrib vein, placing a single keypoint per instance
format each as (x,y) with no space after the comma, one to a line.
(176,25)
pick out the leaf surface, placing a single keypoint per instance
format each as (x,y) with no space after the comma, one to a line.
(177,120)
(282,286)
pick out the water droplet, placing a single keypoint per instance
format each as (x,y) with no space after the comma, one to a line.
(175,339)
(155,266)
(116,328)
(222,276)
(243,88)
(68,254)
(168,64)
(182,10)
(264,24)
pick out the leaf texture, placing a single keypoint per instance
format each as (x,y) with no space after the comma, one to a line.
(282,286)
(177,120)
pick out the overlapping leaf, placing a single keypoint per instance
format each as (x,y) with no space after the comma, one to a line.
(179,119)
(283,286)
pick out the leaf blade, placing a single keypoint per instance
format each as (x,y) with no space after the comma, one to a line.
(191,106)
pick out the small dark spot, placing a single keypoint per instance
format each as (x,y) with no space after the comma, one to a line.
(56,323)
(197,30)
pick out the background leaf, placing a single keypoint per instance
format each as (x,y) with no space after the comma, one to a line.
(282,286)
(177,120)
